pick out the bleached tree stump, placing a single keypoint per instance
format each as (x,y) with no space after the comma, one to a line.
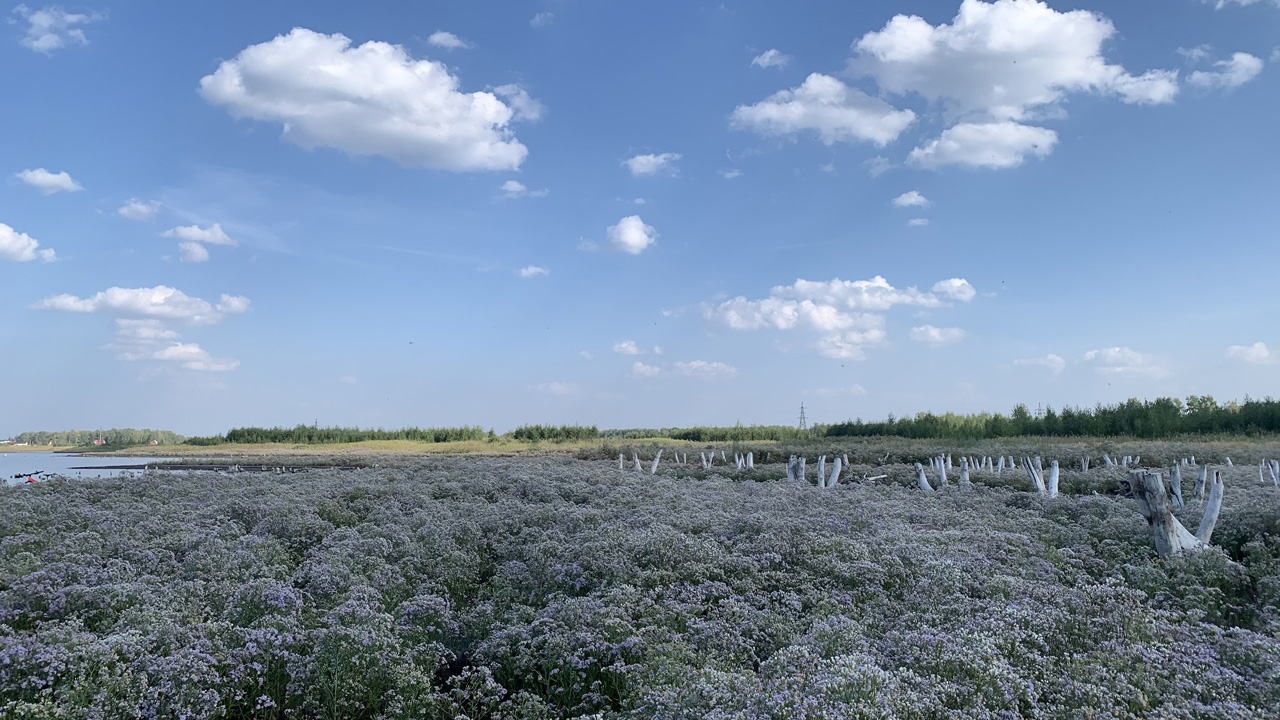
(948,461)
(751,460)
(656,459)
(1171,537)
(835,473)
(822,471)
(1053,479)
(1202,474)
(800,475)
(942,472)
(1229,463)
(619,461)
(1175,485)
(1000,466)
(1107,459)
(1034,473)
(1084,464)
(1274,466)
(921,480)
(635,457)
(964,474)
(791,468)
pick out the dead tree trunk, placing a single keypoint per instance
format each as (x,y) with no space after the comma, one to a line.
(822,471)
(942,472)
(1034,474)
(1175,485)
(1107,459)
(835,473)
(921,480)
(751,460)
(1202,474)
(1053,479)
(1171,537)
(656,458)
(635,457)
(1084,464)
(964,474)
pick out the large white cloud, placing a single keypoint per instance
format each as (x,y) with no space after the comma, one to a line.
(827,107)
(631,235)
(1240,69)
(372,99)
(997,67)
(990,145)
(49,182)
(161,302)
(21,247)
(1004,60)
(849,312)
(52,28)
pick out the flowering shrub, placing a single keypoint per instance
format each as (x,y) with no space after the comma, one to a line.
(505,588)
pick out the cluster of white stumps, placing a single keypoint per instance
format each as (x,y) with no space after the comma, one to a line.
(1155,504)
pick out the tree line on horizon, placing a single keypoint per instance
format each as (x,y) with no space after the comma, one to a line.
(114,436)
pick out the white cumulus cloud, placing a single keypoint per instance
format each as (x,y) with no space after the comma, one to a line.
(653,164)
(825,106)
(193,252)
(936,336)
(194,357)
(911,198)
(447,40)
(52,28)
(631,235)
(771,59)
(513,189)
(1051,362)
(161,302)
(640,371)
(989,145)
(21,247)
(373,99)
(1255,354)
(955,288)
(1003,60)
(529,271)
(1240,69)
(626,347)
(1123,361)
(705,370)
(49,182)
(136,209)
(212,235)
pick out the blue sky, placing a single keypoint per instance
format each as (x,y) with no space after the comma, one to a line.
(632,214)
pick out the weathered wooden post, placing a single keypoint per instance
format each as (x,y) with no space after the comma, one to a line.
(801,470)
(791,468)
(921,480)
(619,461)
(822,471)
(1171,537)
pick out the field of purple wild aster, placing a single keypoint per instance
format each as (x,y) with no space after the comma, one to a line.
(554,587)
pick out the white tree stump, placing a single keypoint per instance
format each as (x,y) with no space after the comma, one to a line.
(921,480)
(1034,473)
(1000,466)
(822,471)
(1175,485)
(835,473)
(635,457)
(656,458)
(1171,537)
(1053,479)
(619,461)
(1107,459)
(942,472)
(1084,464)
(1202,474)
(751,460)
(964,474)
(791,468)
(1229,463)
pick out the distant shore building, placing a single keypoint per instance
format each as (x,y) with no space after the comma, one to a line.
(99,441)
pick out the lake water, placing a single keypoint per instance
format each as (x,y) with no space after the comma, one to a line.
(60,463)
